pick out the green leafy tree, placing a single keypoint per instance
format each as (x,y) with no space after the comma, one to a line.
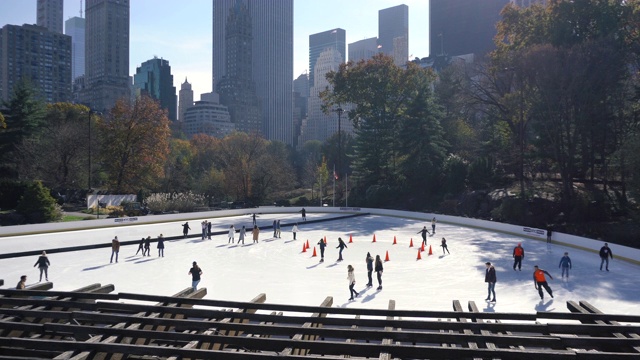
(134,144)
(37,205)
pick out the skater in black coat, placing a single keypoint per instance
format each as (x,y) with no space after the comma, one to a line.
(444,246)
(185,229)
(147,246)
(424,233)
(490,278)
(605,254)
(322,245)
(341,246)
(160,246)
(140,247)
(369,261)
(43,264)
(378,268)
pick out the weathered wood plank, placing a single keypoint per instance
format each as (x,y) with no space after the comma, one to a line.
(291,351)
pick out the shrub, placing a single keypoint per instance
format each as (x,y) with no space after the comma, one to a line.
(37,205)
(181,202)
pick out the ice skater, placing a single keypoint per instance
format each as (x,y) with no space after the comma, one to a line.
(378,268)
(22,283)
(147,246)
(352,282)
(254,218)
(243,231)
(322,245)
(278,232)
(294,230)
(232,234)
(605,254)
(43,264)
(160,246)
(369,261)
(433,226)
(443,243)
(208,230)
(275,229)
(304,214)
(115,248)
(490,279)
(195,273)
(424,233)
(204,227)
(341,246)
(518,255)
(540,282)
(255,233)
(140,247)
(565,264)
(185,229)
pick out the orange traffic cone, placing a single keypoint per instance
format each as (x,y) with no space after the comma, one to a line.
(422,247)
(419,257)
(411,243)
(304,248)
(374,238)
(325,239)
(350,238)
(394,240)
(314,252)
(307,245)
(386,258)
(430,252)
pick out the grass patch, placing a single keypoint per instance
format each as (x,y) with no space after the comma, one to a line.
(68,218)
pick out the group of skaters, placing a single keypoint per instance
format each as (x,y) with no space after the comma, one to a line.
(539,275)
(372,265)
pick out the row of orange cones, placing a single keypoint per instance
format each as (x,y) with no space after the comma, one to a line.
(306,246)
(374,240)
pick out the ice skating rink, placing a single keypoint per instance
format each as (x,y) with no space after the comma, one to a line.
(279,268)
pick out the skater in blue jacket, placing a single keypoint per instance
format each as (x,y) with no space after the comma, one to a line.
(565,264)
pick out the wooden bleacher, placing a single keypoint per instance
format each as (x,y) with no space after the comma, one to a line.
(95,323)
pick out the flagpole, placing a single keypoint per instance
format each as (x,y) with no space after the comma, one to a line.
(334,185)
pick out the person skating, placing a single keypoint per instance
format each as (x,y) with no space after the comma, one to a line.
(490,279)
(140,247)
(255,233)
(565,264)
(209,230)
(185,229)
(160,246)
(243,231)
(605,254)
(304,214)
(22,283)
(433,226)
(294,230)
(204,227)
(147,246)
(369,261)
(341,246)
(43,264)
(444,246)
(549,234)
(275,229)
(322,245)
(539,281)
(195,273)
(378,268)
(352,282)
(254,218)
(115,248)
(518,255)
(278,232)
(424,233)
(232,234)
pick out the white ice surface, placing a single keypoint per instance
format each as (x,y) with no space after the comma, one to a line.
(279,268)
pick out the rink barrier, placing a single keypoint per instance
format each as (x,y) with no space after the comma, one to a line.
(620,252)
(155,240)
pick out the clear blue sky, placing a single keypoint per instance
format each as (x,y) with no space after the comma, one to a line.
(180,31)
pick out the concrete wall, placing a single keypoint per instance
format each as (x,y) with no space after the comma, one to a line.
(621,252)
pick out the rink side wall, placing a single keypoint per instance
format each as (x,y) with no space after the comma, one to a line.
(620,252)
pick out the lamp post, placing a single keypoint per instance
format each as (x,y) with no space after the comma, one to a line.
(339,110)
(89,175)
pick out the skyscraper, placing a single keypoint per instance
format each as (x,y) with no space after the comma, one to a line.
(237,88)
(106,53)
(33,53)
(363,49)
(185,100)
(271,59)
(75,27)
(393,33)
(154,79)
(459,27)
(50,15)
(334,39)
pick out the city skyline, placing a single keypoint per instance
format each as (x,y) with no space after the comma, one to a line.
(188,46)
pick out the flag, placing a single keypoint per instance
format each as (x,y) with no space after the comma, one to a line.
(335,174)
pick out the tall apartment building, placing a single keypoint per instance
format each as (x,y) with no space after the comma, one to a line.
(393,33)
(363,49)
(185,99)
(75,27)
(106,53)
(153,78)
(236,88)
(209,117)
(334,39)
(300,104)
(33,53)
(459,27)
(50,15)
(271,59)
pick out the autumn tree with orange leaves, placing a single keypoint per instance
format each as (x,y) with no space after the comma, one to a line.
(134,144)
